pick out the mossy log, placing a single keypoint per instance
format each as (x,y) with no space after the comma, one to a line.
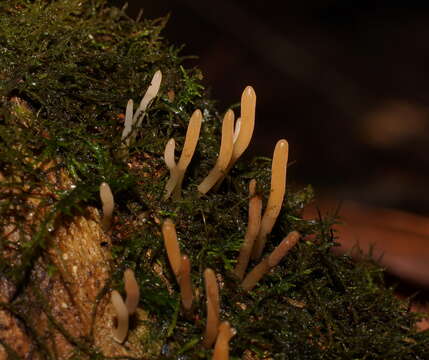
(67,71)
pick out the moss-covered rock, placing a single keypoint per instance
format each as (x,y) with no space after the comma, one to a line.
(67,70)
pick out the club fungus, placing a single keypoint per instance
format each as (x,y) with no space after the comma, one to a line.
(275,199)
(172,246)
(213,308)
(244,128)
(270,261)
(134,121)
(253,225)
(151,93)
(108,203)
(185,283)
(128,124)
(177,173)
(132,290)
(225,154)
(122,316)
(221,350)
(247,123)
(36,238)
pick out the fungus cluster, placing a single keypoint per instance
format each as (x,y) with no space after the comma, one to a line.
(133,121)
(215,331)
(258,229)
(235,139)
(125,308)
(233,143)
(54,262)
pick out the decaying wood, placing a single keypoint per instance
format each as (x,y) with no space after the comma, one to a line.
(61,307)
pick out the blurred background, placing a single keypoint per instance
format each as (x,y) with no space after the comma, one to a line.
(347,86)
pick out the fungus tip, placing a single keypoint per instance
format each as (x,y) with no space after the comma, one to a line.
(249,92)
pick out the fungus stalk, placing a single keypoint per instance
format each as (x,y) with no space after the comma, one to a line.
(177,172)
(128,124)
(122,316)
(253,225)
(221,351)
(150,94)
(225,154)
(134,121)
(108,204)
(213,308)
(270,261)
(185,284)
(172,246)
(243,129)
(246,125)
(132,290)
(275,199)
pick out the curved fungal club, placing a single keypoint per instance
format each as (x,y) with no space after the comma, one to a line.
(225,154)
(108,203)
(213,308)
(133,121)
(122,317)
(177,171)
(275,199)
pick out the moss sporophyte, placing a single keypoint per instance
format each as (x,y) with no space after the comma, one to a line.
(200,256)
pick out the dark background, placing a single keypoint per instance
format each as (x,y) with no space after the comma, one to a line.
(346,85)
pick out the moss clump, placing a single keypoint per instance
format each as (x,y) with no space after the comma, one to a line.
(67,69)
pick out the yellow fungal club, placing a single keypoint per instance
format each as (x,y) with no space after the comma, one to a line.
(108,204)
(213,308)
(225,154)
(172,246)
(121,330)
(177,173)
(275,199)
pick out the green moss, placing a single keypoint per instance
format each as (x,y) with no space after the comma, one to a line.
(67,69)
